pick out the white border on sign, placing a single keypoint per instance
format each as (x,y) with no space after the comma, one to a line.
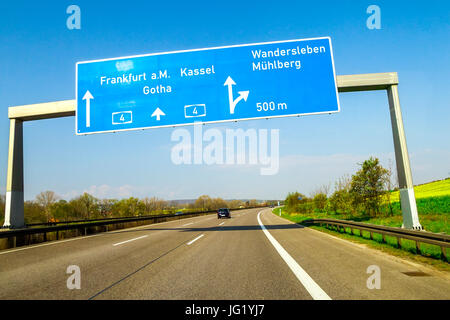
(195,105)
(204,49)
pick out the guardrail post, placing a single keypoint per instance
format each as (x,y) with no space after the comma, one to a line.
(14,216)
(407,198)
(443,254)
(399,242)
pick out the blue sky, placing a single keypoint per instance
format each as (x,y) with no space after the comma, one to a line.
(37,62)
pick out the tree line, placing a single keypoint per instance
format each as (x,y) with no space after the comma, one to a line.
(49,207)
(367,192)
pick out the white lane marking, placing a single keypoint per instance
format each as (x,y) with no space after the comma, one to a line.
(310,285)
(192,241)
(119,243)
(94,235)
(187,224)
(221,223)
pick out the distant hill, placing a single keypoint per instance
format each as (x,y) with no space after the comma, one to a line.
(431,189)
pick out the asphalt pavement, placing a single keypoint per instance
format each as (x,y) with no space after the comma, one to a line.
(253,255)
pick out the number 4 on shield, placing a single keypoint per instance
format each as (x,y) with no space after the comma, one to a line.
(122,117)
(194,110)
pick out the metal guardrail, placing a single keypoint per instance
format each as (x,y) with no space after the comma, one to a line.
(115,218)
(437,239)
(83,225)
(125,218)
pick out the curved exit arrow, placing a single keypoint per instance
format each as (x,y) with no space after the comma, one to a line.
(242,94)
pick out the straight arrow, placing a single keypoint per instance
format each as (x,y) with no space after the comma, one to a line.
(230,83)
(158,113)
(88,96)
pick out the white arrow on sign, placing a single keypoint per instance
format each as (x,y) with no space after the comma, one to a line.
(158,113)
(88,96)
(242,94)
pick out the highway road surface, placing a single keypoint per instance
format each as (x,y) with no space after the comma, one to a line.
(253,255)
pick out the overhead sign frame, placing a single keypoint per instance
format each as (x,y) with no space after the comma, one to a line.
(14,208)
(158,113)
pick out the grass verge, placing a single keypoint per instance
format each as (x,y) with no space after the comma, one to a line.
(430,254)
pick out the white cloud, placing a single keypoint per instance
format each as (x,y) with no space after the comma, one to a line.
(101,191)
(104,191)
(300,172)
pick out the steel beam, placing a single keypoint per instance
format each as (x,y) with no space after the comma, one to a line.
(40,111)
(366,82)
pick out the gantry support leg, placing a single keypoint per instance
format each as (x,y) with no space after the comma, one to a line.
(407,198)
(14,214)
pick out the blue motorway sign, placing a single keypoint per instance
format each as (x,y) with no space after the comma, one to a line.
(242,82)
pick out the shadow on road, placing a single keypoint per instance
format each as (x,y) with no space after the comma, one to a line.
(219,228)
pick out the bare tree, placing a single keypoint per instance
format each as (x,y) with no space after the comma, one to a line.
(218,203)
(154,204)
(323,189)
(235,203)
(203,202)
(45,199)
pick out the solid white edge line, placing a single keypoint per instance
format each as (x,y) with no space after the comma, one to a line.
(119,243)
(192,241)
(310,285)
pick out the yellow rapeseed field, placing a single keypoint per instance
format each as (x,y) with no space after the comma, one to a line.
(432,189)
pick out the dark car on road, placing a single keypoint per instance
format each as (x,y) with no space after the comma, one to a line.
(223,213)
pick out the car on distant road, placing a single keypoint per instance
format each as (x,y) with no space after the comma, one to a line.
(223,213)
(178,213)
